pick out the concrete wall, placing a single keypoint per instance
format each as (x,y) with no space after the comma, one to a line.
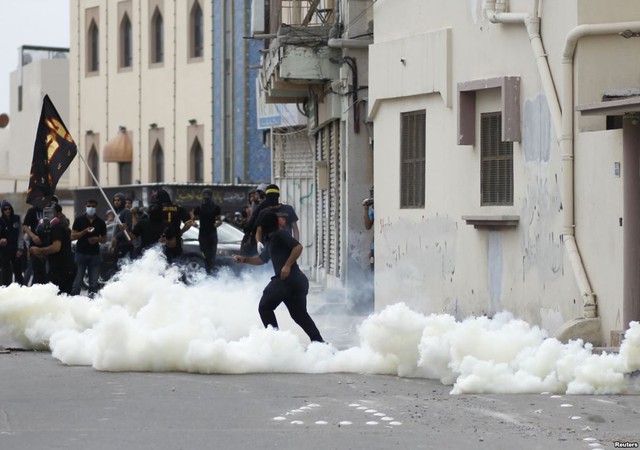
(445,264)
(40,77)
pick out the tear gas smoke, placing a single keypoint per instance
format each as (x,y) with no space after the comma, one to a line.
(146,319)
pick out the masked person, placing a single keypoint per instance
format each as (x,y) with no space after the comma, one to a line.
(289,284)
(90,231)
(10,245)
(287,217)
(209,215)
(36,227)
(177,219)
(62,269)
(152,231)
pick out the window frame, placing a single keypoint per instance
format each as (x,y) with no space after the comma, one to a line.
(496,162)
(93,161)
(157,37)
(413,130)
(126,42)
(157,162)
(196,157)
(93,48)
(196,32)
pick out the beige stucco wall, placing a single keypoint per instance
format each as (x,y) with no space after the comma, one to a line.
(146,93)
(40,77)
(446,265)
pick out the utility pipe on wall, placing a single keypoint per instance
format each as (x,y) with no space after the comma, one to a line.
(495,13)
(567,140)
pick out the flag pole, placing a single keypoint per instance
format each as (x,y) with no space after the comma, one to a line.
(117,217)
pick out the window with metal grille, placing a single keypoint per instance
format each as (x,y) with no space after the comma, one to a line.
(412,158)
(496,164)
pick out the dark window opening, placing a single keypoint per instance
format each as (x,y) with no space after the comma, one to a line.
(412,159)
(197,31)
(126,42)
(158,37)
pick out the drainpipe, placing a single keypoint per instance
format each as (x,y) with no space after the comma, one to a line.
(563,124)
(567,141)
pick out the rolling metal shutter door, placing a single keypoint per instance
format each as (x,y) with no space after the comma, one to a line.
(294,174)
(321,205)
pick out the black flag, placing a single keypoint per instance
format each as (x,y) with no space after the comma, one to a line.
(52,154)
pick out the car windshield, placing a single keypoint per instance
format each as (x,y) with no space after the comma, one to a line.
(226,234)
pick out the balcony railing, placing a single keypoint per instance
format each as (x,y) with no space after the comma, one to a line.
(301,13)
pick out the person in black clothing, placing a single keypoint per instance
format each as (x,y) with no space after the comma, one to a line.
(62,269)
(174,216)
(120,245)
(209,215)
(10,245)
(36,227)
(287,217)
(289,284)
(90,231)
(153,230)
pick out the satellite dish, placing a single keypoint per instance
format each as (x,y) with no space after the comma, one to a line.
(4,120)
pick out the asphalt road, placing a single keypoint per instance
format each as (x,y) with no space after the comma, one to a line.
(46,405)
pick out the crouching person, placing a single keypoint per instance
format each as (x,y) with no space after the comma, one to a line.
(289,284)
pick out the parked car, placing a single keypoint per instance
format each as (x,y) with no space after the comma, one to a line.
(229,239)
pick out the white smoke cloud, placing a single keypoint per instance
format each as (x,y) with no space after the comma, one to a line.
(146,319)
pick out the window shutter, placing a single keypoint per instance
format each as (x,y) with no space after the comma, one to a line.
(496,166)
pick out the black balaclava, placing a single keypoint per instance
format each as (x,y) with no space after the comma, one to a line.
(269,223)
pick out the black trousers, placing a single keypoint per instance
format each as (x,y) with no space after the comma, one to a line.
(11,265)
(209,248)
(63,278)
(39,267)
(293,292)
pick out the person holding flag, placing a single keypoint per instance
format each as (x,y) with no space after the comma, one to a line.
(53,152)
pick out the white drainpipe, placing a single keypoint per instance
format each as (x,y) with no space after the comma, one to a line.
(567,143)
(563,124)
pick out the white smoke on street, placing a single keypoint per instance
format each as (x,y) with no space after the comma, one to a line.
(147,320)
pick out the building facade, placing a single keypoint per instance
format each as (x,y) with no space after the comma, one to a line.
(41,70)
(506,160)
(316,57)
(152,94)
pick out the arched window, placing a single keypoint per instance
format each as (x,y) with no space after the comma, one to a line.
(197,31)
(94,165)
(157,161)
(197,162)
(93,48)
(157,36)
(126,42)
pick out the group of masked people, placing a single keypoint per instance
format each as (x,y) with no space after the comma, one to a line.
(37,250)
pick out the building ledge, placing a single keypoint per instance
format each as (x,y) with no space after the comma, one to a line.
(492,221)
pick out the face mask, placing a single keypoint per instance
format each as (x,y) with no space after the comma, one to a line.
(91,211)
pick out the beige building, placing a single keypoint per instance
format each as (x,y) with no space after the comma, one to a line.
(43,70)
(141,90)
(506,160)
